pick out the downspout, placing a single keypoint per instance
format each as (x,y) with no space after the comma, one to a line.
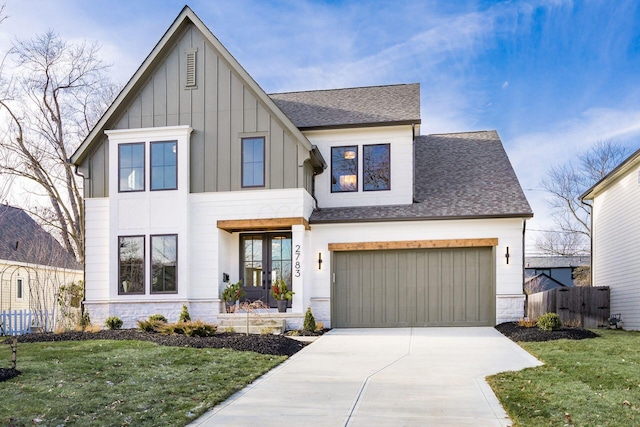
(526,297)
(590,238)
(84,243)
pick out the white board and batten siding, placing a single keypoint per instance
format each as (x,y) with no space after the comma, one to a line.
(616,246)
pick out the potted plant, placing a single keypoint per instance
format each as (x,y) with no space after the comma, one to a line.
(281,293)
(232,294)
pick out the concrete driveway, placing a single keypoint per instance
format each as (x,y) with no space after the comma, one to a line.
(381,377)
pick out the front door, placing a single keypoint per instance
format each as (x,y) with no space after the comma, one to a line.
(265,257)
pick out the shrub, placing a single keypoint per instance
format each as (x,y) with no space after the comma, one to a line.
(549,322)
(527,323)
(85,321)
(309,324)
(197,328)
(184,315)
(113,322)
(158,317)
(150,325)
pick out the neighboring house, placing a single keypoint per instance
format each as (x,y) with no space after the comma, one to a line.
(195,177)
(559,268)
(33,265)
(615,233)
(540,282)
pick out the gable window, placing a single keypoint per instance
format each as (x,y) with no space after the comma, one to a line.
(164,165)
(164,262)
(131,167)
(131,265)
(344,169)
(376,167)
(19,288)
(253,162)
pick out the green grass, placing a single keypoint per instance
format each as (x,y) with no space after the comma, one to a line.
(119,383)
(592,382)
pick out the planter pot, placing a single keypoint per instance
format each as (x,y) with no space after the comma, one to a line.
(282,305)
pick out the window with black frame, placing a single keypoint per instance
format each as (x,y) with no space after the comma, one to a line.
(376,165)
(344,169)
(164,263)
(164,165)
(131,265)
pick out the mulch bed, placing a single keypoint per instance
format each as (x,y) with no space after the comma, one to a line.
(523,334)
(8,373)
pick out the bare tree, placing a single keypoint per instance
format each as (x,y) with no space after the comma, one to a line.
(565,183)
(55,94)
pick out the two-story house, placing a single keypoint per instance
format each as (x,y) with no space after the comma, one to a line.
(195,177)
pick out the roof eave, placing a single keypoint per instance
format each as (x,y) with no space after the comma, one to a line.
(361,125)
(420,218)
(623,167)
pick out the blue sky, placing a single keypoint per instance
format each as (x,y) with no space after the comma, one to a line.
(551,76)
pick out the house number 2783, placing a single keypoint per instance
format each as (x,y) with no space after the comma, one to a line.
(296,265)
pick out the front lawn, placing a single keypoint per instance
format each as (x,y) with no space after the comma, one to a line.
(591,382)
(101,382)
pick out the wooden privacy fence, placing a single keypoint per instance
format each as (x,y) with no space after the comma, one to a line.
(585,304)
(16,322)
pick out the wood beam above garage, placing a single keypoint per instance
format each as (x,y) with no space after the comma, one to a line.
(413,244)
(262,224)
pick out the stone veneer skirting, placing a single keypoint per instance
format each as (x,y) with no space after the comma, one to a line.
(509,308)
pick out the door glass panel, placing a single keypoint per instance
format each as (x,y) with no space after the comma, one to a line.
(252,261)
(281,258)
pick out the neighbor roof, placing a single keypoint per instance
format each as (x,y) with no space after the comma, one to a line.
(23,240)
(351,107)
(456,175)
(540,262)
(542,282)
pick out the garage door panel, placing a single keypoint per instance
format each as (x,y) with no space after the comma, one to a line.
(426,287)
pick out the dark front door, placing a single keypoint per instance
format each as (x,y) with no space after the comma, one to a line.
(265,257)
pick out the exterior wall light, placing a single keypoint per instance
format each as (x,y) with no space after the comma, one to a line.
(506,255)
(319,260)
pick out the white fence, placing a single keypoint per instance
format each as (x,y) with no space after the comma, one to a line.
(20,322)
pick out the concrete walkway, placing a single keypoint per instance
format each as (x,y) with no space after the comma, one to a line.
(381,377)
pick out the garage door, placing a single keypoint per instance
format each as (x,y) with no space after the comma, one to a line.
(422,287)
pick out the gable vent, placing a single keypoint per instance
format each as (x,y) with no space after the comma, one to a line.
(191,67)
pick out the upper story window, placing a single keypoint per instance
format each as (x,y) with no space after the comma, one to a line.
(376,165)
(131,167)
(253,162)
(131,265)
(164,165)
(164,261)
(344,169)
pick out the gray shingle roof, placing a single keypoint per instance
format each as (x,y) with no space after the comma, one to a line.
(457,175)
(392,104)
(23,240)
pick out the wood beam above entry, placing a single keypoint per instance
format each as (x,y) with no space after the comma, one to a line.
(413,244)
(262,224)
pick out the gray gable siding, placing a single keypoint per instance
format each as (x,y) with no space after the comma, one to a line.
(220,109)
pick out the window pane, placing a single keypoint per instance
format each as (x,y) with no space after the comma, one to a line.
(344,169)
(377,167)
(252,261)
(131,256)
(164,263)
(253,162)
(131,163)
(164,165)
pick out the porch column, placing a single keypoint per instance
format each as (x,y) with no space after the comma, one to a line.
(297,268)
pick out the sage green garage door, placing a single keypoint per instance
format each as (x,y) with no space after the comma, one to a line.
(421,287)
